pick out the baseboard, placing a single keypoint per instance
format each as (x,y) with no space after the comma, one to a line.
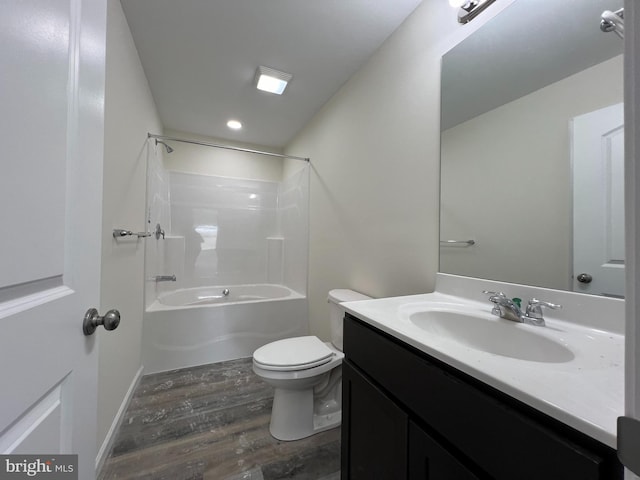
(105,448)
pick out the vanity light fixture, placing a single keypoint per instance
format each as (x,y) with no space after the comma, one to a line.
(272,81)
(234,124)
(469,9)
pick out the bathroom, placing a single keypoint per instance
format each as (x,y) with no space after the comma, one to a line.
(374,184)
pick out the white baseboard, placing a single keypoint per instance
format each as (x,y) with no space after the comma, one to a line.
(108,441)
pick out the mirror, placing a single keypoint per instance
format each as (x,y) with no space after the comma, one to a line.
(532,150)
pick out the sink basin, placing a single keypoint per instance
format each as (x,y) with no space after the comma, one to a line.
(492,335)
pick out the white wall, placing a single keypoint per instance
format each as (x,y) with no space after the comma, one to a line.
(217,161)
(519,151)
(374,150)
(129,114)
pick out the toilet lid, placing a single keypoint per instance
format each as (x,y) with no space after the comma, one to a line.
(293,354)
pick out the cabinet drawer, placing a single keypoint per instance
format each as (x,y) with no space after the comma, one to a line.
(496,432)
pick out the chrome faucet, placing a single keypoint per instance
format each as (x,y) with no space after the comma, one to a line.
(533,315)
(504,306)
(165,278)
(510,310)
(159,232)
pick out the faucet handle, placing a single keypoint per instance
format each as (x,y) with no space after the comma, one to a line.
(492,294)
(499,298)
(496,298)
(534,302)
(534,310)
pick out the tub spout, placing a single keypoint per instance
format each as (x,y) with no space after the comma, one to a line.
(165,278)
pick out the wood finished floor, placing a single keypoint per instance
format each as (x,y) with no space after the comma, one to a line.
(212,423)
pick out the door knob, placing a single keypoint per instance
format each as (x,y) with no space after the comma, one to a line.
(584,278)
(92,320)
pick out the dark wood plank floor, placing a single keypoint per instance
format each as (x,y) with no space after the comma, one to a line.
(212,423)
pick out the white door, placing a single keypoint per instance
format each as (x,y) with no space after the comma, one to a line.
(52,61)
(598,202)
(632,176)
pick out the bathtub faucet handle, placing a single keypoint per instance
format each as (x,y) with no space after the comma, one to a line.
(159,232)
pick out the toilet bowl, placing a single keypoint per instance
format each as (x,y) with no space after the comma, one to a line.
(307,376)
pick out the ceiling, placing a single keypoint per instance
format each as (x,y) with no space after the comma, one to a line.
(200,58)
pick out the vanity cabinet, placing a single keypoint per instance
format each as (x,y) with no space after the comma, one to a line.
(409,415)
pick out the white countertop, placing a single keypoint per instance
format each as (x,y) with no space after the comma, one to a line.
(586,392)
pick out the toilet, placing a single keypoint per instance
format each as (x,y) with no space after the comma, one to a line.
(307,376)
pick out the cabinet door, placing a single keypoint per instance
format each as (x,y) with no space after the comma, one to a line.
(374,431)
(428,460)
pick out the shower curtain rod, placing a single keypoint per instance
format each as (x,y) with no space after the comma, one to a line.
(227,147)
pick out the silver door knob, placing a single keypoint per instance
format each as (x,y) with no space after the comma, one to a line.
(584,278)
(92,320)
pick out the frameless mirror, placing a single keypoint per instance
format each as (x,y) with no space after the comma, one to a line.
(532,150)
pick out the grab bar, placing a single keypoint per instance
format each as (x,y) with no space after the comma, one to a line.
(119,232)
(457,243)
(165,278)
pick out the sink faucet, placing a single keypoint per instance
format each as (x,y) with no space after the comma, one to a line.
(505,307)
(509,310)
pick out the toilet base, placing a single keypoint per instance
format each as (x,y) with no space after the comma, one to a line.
(326,422)
(293,418)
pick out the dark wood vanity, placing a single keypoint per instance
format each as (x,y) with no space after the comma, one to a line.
(407,415)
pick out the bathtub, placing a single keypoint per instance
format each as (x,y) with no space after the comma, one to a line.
(196,326)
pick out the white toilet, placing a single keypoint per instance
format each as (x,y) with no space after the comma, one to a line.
(307,376)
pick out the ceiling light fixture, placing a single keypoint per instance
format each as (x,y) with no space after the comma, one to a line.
(270,80)
(469,9)
(234,124)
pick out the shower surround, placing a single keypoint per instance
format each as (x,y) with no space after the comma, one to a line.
(238,248)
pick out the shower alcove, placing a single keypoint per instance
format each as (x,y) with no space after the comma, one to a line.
(236,235)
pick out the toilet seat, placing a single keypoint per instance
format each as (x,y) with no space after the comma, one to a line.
(298,353)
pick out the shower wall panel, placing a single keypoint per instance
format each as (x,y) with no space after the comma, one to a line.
(158,211)
(293,209)
(225,223)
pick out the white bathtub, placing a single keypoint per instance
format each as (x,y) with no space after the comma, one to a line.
(195,326)
(190,297)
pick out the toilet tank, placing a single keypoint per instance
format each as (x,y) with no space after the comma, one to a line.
(336,312)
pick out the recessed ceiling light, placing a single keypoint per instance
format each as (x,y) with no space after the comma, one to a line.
(272,81)
(234,124)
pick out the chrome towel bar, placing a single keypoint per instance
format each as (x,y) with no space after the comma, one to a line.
(119,232)
(457,243)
